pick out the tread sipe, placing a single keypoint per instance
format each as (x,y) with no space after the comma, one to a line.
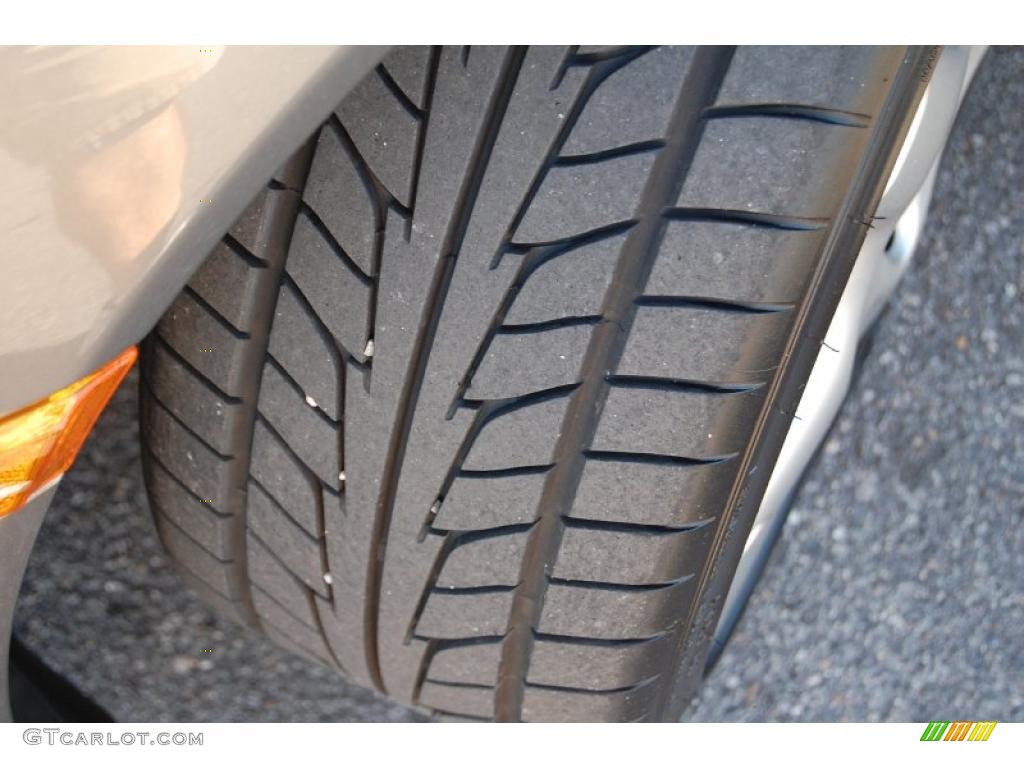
(476,401)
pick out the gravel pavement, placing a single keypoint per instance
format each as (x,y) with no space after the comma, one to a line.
(895,594)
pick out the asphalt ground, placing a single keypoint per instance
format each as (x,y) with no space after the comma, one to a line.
(895,594)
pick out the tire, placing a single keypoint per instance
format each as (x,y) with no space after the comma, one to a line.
(477,400)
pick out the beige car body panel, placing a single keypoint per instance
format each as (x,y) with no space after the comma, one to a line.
(122,167)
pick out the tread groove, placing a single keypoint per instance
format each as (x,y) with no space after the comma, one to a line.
(216,315)
(314,607)
(270,598)
(568,241)
(340,354)
(277,558)
(193,371)
(603,642)
(433,65)
(536,469)
(396,90)
(151,456)
(515,329)
(792,111)
(718,305)
(611,52)
(443,552)
(287,515)
(222,561)
(484,589)
(457,715)
(625,381)
(240,251)
(456,684)
(611,586)
(648,529)
(563,67)
(294,386)
(370,178)
(592,691)
(592,158)
(189,429)
(304,469)
(309,214)
(751,218)
(656,458)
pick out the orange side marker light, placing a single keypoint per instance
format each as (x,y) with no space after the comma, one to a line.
(39,442)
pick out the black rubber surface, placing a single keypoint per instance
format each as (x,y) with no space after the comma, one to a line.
(476,401)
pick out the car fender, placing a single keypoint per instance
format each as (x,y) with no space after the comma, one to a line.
(122,168)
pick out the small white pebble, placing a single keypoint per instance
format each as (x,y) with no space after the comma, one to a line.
(341,476)
(368,352)
(435,507)
(328,579)
(310,402)
(184,664)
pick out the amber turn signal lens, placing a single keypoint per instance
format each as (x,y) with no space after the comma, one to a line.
(39,443)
